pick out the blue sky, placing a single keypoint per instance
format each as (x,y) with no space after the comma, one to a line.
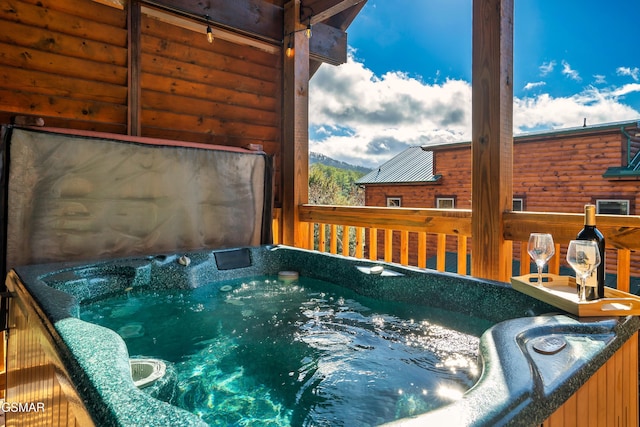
(408,78)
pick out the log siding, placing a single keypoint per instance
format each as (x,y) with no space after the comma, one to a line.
(552,173)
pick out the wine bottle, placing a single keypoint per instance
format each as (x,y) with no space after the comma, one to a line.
(595,282)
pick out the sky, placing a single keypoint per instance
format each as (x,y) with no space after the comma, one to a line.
(407,80)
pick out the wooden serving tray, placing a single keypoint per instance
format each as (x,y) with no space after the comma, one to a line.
(560,291)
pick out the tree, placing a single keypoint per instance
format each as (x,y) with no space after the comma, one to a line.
(329,185)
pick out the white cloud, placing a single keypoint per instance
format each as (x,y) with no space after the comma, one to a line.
(547,68)
(532,85)
(363,119)
(627,71)
(384,115)
(569,72)
(626,89)
(599,79)
(548,112)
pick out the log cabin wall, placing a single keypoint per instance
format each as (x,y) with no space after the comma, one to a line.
(64,61)
(556,172)
(67,62)
(561,173)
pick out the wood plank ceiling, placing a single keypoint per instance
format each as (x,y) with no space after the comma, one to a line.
(263,20)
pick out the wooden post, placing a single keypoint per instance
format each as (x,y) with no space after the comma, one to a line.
(295,138)
(491,135)
(134,18)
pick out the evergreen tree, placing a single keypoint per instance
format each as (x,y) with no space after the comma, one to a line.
(329,185)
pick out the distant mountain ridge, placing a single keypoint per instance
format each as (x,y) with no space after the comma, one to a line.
(328,161)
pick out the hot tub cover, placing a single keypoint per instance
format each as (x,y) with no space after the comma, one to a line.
(90,196)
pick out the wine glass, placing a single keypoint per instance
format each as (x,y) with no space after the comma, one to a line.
(541,249)
(584,257)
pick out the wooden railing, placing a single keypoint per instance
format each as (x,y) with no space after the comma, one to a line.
(394,234)
(372,224)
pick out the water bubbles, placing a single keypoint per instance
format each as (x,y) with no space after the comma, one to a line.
(197,308)
(378,321)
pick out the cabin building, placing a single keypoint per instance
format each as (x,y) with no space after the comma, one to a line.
(553,171)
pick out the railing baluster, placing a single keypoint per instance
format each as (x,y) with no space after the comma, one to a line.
(624,269)
(422,249)
(333,239)
(346,239)
(525,265)
(388,245)
(359,242)
(462,254)
(311,237)
(322,237)
(441,252)
(508,251)
(554,262)
(404,247)
(373,244)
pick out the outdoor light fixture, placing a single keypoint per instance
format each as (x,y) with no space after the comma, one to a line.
(209,31)
(307,32)
(290,52)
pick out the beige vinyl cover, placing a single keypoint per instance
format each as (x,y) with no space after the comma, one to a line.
(74,198)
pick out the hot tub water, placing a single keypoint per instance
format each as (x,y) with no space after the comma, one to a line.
(271,353)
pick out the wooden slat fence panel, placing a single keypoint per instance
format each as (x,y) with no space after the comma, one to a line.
(34,371)
(608,398)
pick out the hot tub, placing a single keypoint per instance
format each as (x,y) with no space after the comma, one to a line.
(530,357)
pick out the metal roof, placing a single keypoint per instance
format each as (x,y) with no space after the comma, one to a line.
(415,164)
(410,166)
(585,128)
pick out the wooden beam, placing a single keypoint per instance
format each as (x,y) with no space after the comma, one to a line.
(321,10)
(328,44)
(257,18)
(295,138)
(134,17)
(343,19)
(192,25)
(492,135)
